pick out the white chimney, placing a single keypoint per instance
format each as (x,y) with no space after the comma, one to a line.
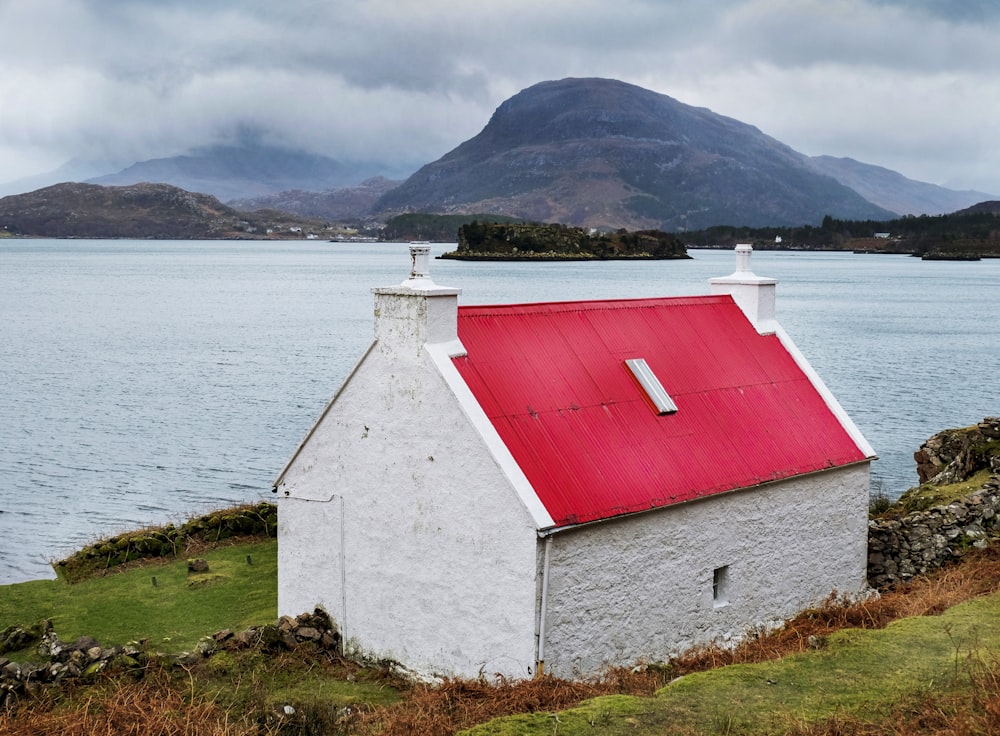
(754,294)
(418,311)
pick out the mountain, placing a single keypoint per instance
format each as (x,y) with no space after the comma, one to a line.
(244,171)
(74,170)
(137,211)
(892,190)
(335,204)
(991,207)
(603,153)
(586,152)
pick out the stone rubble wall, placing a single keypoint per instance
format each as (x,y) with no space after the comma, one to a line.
(251,520)
(899,549)
(57,662)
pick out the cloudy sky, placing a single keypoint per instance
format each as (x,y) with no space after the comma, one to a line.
(913,85)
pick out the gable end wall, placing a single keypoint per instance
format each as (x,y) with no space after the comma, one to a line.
(435,566)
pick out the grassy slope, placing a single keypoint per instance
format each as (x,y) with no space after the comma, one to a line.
(864,673)
(172,615)
(855,672)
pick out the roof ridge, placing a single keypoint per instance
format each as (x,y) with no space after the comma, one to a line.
(595,304)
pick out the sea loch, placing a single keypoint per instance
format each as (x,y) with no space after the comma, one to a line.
(147,380)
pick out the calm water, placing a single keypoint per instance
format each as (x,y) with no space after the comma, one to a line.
(147,381)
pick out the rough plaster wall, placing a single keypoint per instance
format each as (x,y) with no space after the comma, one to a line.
(642,588)
(440,554)
(300,558)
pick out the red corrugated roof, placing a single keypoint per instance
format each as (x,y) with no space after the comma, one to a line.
(551,377)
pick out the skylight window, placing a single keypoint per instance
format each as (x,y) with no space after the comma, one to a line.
(657,395)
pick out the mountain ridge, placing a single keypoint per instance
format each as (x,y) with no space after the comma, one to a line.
(893,191)
(139,211)
(604,153)
(593,152)
(247,170)
(332,204)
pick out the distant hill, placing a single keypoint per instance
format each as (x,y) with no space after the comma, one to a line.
(140,211)
(603,153)
(968,234)
(991,207)
(244,171)
(892,190)
(335,204)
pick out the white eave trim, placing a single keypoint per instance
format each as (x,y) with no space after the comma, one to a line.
(441,354)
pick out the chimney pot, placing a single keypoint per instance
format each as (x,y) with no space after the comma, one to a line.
(754,294)
(743,253)
(420,260)
(417,311)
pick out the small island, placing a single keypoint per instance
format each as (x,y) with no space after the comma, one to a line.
(488,241)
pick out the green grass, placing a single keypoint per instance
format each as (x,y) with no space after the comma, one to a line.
(246,683)
(126,606)
(862,673)
(925,496)
(291,679)
(857,673)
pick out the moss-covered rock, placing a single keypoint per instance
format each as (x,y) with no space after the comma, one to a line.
(955,455)
(15,638)
(951,465)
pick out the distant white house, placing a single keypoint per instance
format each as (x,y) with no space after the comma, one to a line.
(567,486)
(882,236)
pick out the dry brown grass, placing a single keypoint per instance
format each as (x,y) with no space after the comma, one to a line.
(438,710)
(158,705)
(459,704)
(153,706)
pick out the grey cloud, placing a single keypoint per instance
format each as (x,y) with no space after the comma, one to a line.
(856,35)
(963,11)
(410,81)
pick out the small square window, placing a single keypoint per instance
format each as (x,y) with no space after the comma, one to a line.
(720,586)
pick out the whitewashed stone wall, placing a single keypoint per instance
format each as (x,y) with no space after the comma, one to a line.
(641,588)
(437,556)
(417,535)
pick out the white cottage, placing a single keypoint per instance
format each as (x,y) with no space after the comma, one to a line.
(562,487)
